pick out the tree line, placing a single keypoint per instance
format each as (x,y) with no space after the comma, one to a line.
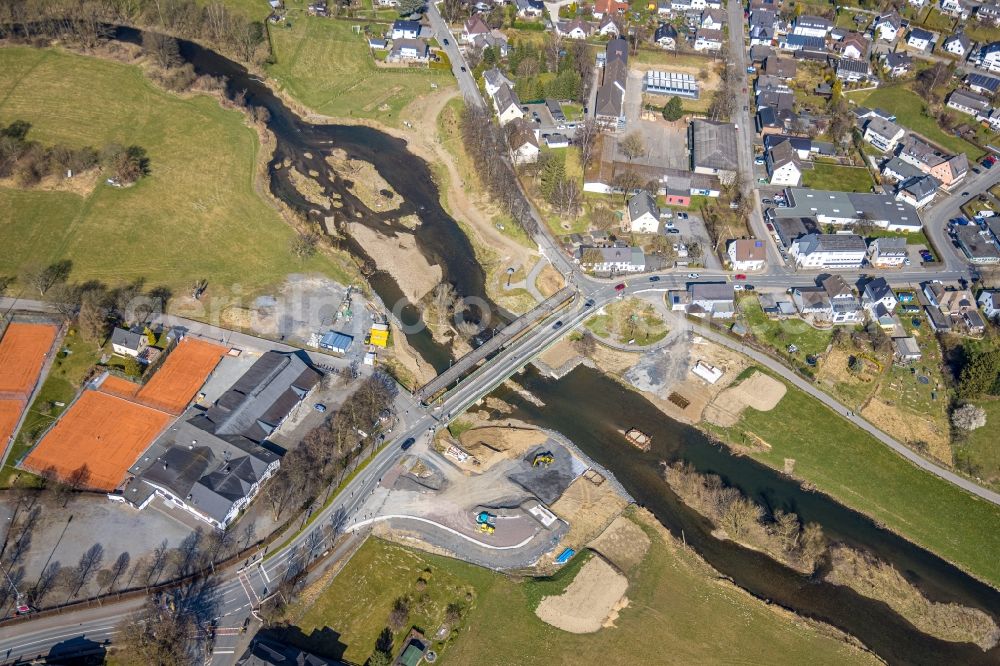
(87,22)
(29,161)
(486,145)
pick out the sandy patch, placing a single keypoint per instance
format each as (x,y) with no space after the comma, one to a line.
(549,281)
(493,444)
(588,505)
(759,391)
(624,544)
(909,427)
(82,184)
(588,601)
(560,353)
(399,256)
(404,354)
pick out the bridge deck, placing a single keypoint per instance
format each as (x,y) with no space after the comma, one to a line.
(511,331)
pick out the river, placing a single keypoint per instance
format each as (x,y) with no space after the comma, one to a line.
(306,145)
(591,409)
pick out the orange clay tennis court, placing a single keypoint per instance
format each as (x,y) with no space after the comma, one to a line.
(22,353)
(10,412)
(181,375)
(122,388)
(104,432)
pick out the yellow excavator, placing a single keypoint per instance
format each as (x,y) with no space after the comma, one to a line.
(545,458)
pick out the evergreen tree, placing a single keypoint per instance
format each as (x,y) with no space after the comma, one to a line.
(553,171)
(674,109)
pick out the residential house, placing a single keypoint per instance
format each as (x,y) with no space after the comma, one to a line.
(711,299)
(897,63)
(713,148)
(759,53)
(877,292)
(968,102)
(803,43)
(666,36)
(405,29)
(983,84)
(897,170)
(604,8)
(493,39)
(493,79)
(507,105)
(812,301)
(747,254)
(212,463)
(829,251)
(917,191)
(844,305)
(708,40)
(919,39)
(523,143)
(955,303)
(849,208)
(608,27)
(574,29)
(989,13)
(989,301)
(887,26)
(783,166)
(852,71)
(474,27)
(642,214)
(409,50)
(803,146)
(609,108)
(663,8)
(948,169)
(883,134)
(957,45)
(712,19)
(854,46)
(978,245)
(959,8)
(529,8)
(811,26)
(129,342)
(887,252)
(761,35)
(989,57)
(614,260)
(378,44)
(783,68)
(907,349)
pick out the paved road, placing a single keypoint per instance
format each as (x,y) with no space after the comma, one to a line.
(466,82)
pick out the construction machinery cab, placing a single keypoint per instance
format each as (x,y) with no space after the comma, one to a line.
(543,458)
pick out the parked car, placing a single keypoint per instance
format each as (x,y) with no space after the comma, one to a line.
(446,42)
(408,443)
(770,227)
(654,278)
(556,326)
(737,287)
(759,161)
(767,201)
(682,216)
(673,230)
(748,287)
(694,276)
(319,407)
(741,276)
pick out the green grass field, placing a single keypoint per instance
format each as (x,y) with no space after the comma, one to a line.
(328,68)
(910,110)
(254,9)
(676,607)
(835,177)
(196,216)
(855,469)
(980,447)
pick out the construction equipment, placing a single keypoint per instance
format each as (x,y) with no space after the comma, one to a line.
(485,518)
(486,528)
(544,458)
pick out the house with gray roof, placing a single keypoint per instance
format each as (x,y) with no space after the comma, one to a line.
(711,299)
(849,208)
(212,462)
(968,102)
(883,134)
(713,148)
(609,107)
(128,342)
(917,191)
(829,251)
(643,215)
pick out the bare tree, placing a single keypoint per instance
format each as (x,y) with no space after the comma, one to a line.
(46,581)
(43,278)
(161,48)
(626,182)
(585,139)
(155,636)
(303,244)
(632,146)
(119,568)
(154,566)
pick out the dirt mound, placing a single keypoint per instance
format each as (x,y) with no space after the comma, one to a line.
(588,601)
(759,391)
(492,444)
(588,507)
(623,543)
